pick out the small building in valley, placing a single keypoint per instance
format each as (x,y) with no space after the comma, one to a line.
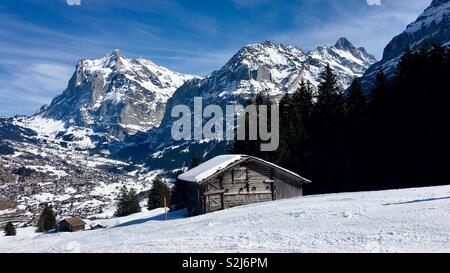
(228,181)
(96,226)
(71,224)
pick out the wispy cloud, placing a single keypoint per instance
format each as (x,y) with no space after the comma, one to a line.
(374,2)
(73,2)
(35,83)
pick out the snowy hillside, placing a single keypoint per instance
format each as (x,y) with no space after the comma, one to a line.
(412,220)
(116,95)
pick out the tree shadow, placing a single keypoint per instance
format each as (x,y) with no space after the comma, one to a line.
(417,201)
(162,217)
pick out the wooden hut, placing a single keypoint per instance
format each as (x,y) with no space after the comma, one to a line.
(232,180)
(71,224)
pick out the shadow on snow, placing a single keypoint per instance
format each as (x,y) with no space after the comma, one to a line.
(162,217)
(418,201)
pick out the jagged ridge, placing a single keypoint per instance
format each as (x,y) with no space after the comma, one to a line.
(274,69)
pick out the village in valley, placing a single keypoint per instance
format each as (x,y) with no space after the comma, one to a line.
(40,173)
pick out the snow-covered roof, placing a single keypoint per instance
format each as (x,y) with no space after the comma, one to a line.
(222,162)
(74,221)
(210,167)
(282,169)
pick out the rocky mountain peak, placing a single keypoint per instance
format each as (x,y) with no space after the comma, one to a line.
(116,53)
(437,3)
(116,95)
(115,59)
(344,44)
(266,53)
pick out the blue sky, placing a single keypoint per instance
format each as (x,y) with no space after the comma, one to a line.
(41,41)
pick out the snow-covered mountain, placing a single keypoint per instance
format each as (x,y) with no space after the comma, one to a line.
(278,69)
(116,95)
(61,155)
(273,69)
(432,26)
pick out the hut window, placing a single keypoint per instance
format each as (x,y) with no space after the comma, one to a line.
(239,174)
(241,190)
(227,190)
(267,187)
(254,189)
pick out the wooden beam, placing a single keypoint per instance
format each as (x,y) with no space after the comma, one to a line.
(214,192)
(215,201)
(214,186)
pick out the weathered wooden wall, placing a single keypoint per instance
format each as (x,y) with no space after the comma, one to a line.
(284,187)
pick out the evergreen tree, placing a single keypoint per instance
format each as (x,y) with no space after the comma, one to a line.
(327,133)
(178,195)
(128,202)
(47,220)
(328,113)
(194,162)
(10,230)
(355,136)
(328,91)
(295,115)
(135,207)
(303,100)
(123,203)
(253,147)
(380,124)
(355,104)
(156,195)
(379,96)
(245,146)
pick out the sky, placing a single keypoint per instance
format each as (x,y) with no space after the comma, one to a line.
(42,41)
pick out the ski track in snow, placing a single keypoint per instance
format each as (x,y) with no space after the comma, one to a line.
(412,220)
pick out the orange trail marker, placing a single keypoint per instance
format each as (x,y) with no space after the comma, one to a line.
(165,207)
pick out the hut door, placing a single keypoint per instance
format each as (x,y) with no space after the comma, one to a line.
(214,202)
(277,190)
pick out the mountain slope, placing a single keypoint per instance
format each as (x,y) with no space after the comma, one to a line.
(273,69)
(116,95)
(411,220)
(430,27)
